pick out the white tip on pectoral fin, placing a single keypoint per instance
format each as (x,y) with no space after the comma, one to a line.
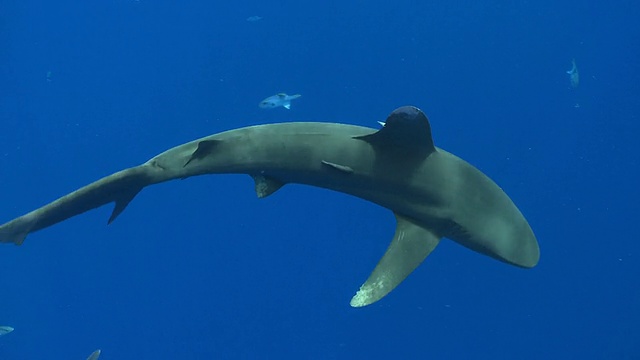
(411,244)
(287,106)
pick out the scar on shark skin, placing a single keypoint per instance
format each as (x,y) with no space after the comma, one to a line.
(432,193)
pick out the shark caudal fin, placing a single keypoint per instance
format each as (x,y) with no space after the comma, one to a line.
(411,244)
(120,187)
(8,236)
(16,230)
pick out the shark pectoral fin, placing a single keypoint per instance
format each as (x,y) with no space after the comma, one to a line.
(343,168)
(411,244)
(121,203)
(204,148)
(266,186)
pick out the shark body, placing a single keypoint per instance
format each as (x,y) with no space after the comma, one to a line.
(433,193)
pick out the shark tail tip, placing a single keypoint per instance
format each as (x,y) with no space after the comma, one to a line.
(16,238)
(15,231)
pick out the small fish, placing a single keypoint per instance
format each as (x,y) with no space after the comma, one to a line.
(254,18)
(5,330)
(281,99)
(94,355)
(574,75)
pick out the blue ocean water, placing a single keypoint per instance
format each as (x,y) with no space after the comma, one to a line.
(202,269)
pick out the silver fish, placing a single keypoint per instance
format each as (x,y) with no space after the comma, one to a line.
(281,99)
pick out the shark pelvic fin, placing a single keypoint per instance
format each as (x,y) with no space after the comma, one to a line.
(122,201)
(406,129)
(343,168)
(411,244)
(266,186)
(205,148)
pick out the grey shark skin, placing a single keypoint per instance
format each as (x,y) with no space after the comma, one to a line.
(433,193)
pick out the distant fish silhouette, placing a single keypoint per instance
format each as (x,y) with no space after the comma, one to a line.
(254,18)
(5,330)
(574,75)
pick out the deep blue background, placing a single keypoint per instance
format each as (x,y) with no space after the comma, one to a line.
(201,269)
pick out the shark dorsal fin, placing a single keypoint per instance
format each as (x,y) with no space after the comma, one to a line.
(406,129)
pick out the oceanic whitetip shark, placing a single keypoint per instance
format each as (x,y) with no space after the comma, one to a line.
(432,193)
